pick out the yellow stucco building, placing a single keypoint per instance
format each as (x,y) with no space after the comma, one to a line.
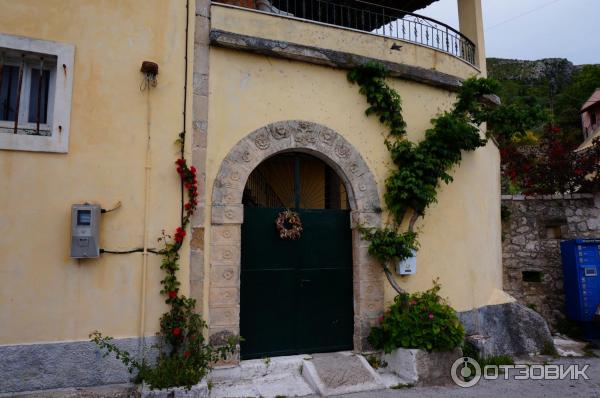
(261,91)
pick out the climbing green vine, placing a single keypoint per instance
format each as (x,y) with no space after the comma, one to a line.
(184,357)
(420,168)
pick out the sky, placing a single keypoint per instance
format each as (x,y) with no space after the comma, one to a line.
(534,29)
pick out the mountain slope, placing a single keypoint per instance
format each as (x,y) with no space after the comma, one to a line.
(555,84)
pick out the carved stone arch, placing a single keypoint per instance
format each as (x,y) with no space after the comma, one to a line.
(227,217)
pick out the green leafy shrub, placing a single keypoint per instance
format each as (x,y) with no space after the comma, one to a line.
(549,349)
(497,360)
(184,362)
(419,320)
(387,244)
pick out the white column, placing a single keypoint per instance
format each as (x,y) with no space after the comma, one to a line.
(471,25)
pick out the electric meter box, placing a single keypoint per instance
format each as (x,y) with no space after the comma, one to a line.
(408,266)
(85,223)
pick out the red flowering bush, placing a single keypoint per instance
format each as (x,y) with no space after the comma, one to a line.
(554,168)
(179,235)
(184,357)
(419,320)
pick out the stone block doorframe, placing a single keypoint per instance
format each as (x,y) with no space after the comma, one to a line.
(227,217)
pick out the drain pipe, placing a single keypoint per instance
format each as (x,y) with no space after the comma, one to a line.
(148,82)
(150,71)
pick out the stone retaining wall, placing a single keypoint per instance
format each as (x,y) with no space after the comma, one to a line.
(532,229)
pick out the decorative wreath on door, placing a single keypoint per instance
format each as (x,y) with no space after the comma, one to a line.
(289,225)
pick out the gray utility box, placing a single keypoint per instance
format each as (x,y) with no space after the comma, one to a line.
(85,223)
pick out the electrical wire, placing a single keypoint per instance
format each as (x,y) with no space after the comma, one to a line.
(138,250)
(115,207)
(524,14)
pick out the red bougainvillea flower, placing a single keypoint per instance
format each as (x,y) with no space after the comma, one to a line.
(179,235)
(186,354)
(193,170)
(381,319)
(431,316)
(180,162)
(579,172)
(176,331)
(172,293)
(412,302)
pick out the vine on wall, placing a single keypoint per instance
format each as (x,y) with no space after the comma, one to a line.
(420,168)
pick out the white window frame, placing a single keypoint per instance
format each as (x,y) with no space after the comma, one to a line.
(59,97)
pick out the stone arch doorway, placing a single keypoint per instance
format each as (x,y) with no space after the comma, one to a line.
(295,295)
(227,216)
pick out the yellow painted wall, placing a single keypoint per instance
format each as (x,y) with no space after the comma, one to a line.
(45,295)
(460,236)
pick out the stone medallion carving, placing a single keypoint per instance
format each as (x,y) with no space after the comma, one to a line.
(279,132)
(342,150)
(262,140)
(305,134)
(327,137)
(246,156)
(227,255)
(235,176)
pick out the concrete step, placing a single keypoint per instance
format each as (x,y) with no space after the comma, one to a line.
(341,373)
(268,378)
(297,376)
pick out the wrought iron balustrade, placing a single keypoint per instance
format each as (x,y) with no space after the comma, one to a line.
(372,18)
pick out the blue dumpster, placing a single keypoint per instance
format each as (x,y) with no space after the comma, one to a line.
(581,263)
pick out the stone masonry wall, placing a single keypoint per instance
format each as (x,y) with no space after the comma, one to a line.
(532,229)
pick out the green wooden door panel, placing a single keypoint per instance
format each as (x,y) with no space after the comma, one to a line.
(265,324)
(325,316)
(326,240)
(261,246)
(296,296)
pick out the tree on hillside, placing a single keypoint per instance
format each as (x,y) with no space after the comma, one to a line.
(569,102)
(540,157)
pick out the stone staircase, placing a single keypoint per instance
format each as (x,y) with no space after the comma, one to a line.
(299,375)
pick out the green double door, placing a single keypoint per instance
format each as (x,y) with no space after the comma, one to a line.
(296,296)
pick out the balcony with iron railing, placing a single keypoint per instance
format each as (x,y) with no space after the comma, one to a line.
(371,18)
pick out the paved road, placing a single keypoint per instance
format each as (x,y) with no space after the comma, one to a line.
(508,388)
